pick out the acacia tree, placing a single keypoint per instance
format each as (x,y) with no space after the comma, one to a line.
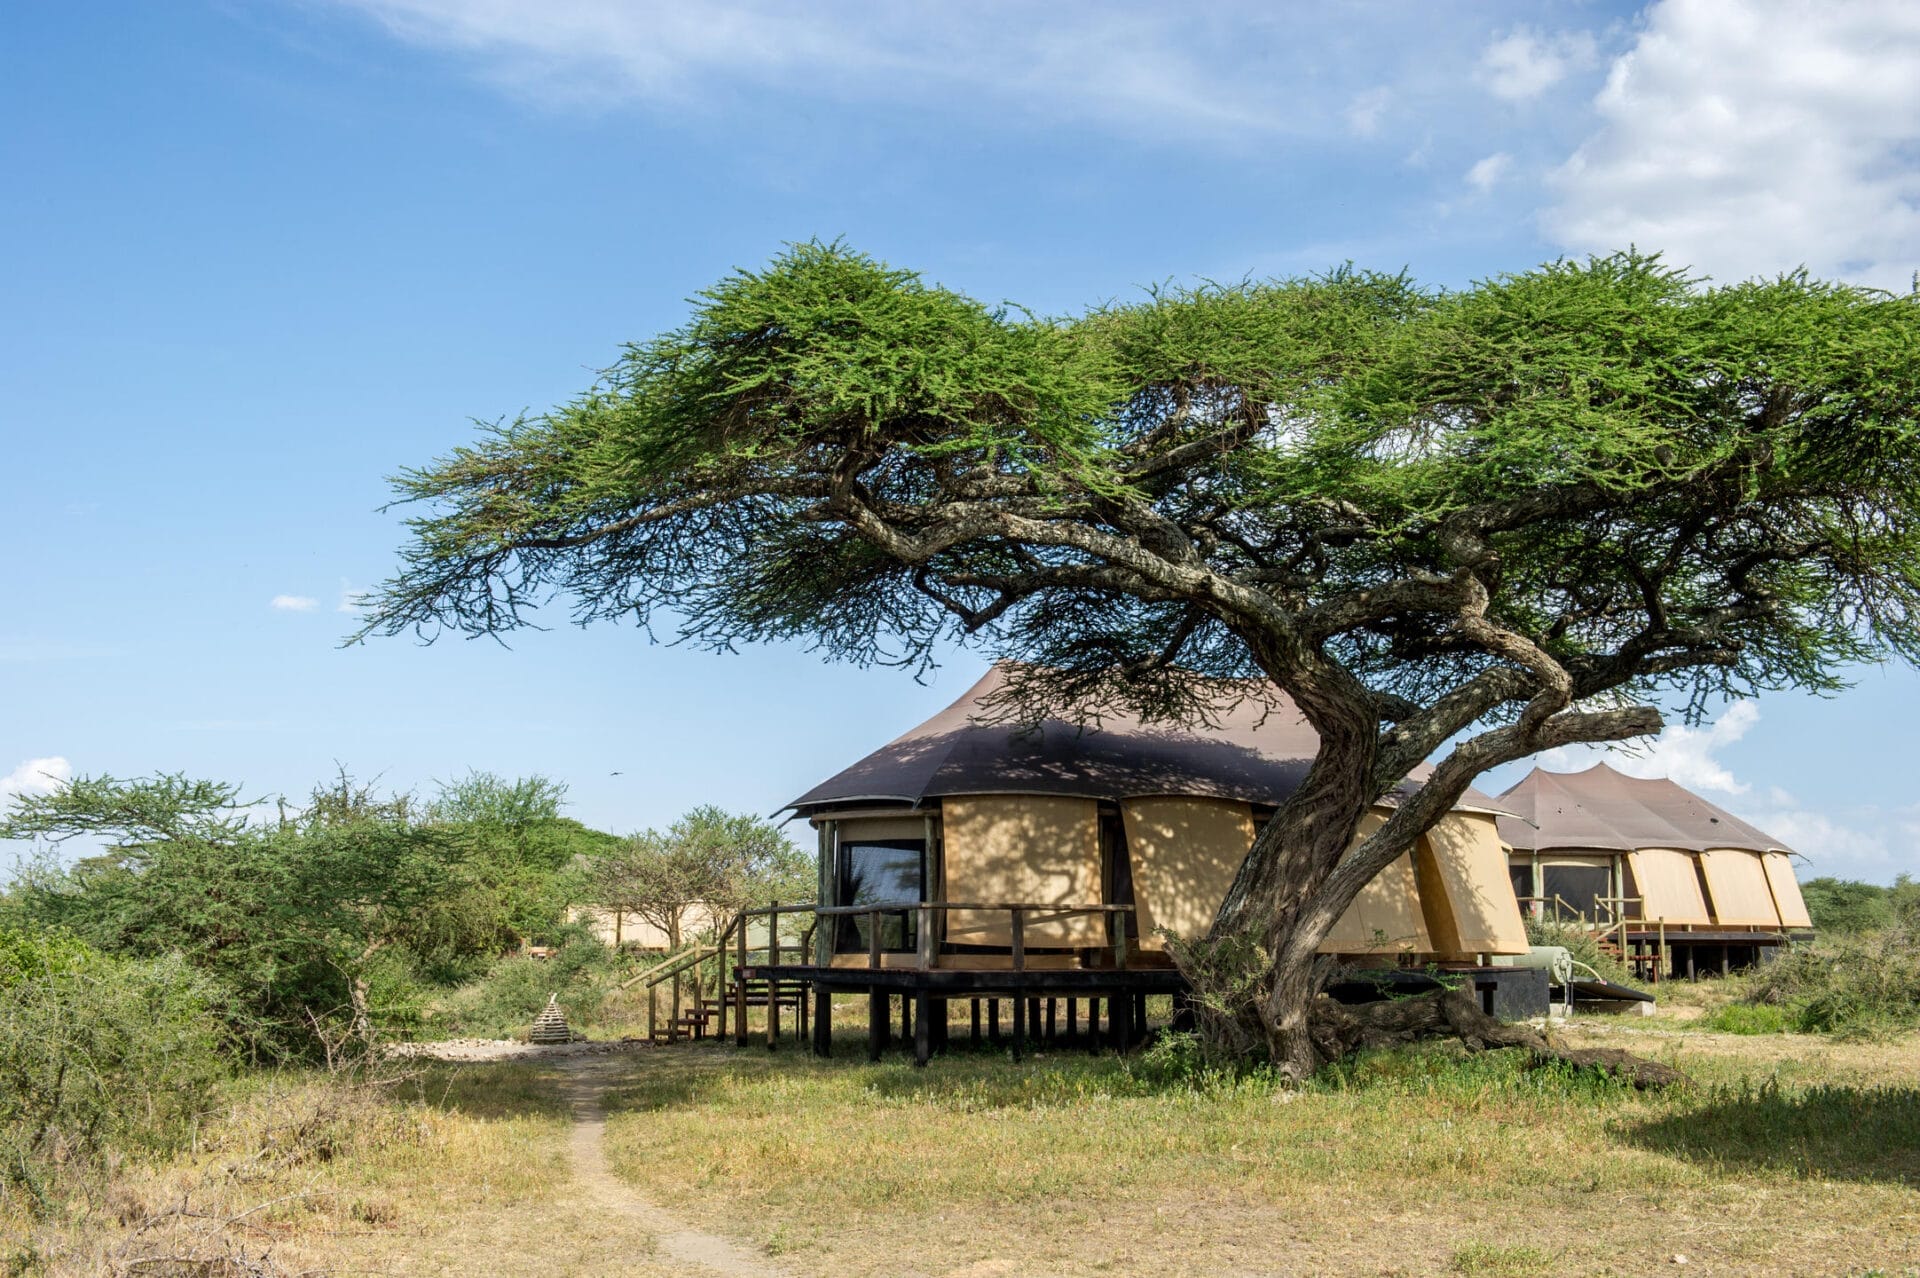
(1453,525)
(724,862)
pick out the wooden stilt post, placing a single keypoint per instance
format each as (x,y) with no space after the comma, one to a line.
(993,1021)
(1073,1018)
(1120,1020)
(1019,1027)
(1093,1025)
(740,981)
(976,1020)
(879,1018)
(773,967)
(822,1021)
(906,1017)
(922,1028)
(1052,1019)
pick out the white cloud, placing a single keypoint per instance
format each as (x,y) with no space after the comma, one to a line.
(352,599)
(295,603)
(1523,64)
(1145,67)
(1365,112)
(1486,174)
(1747,139)
(36,776)
(1687,755)
(1239,72)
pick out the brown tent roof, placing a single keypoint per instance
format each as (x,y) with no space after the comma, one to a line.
(1259,753)
(1609,811)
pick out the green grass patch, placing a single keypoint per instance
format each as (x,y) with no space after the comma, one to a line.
(1750,1018)
(1492,1260)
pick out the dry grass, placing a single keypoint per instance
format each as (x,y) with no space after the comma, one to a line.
(1414,1164)
(1794,1155)
(452,1171)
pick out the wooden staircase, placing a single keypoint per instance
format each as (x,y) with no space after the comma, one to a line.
(716,995)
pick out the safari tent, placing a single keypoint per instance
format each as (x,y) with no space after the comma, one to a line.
(1684,884)
(972,854)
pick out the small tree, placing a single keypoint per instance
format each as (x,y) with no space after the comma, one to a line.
(720,861)
(1459,526)
(288,917)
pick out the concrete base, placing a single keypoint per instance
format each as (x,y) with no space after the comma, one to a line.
(1612,1007)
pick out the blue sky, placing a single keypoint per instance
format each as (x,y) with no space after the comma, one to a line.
(258,256)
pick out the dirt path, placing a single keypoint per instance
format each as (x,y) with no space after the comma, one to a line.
(586,1083)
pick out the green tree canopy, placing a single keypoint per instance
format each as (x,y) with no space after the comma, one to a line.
(723,861)
(1466,525)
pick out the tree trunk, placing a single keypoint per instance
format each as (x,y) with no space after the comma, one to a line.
(362,1016)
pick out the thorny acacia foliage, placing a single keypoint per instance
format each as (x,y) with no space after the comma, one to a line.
(1516,509)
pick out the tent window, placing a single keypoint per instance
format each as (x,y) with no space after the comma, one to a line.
(1521,872)
(880,872)
(1580,886)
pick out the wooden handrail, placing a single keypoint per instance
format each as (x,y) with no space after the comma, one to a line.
(926,950)
(672,967)
(900,907)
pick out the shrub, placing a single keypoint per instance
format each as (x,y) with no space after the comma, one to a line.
(1843,985)
(505,1001)
(1581,944)
(96,1055)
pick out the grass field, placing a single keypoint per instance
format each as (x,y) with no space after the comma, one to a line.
(1793,1154)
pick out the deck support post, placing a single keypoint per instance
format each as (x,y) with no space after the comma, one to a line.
(976,1020)
(1053,1023)
(993,1021)
(1019,1026)
(740,981)
(773,966)
(1093,1025)
(1120,1021)
(906,1017)
(1073,1018)
(938,1030)
(822,1021)
(922,1028)
(879,1021)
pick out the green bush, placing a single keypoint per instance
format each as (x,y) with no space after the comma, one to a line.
(1841,985)
(504,1002)
(97,1055)
(1581,944)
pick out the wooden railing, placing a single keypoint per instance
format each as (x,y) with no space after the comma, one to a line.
(926,949)
(1611,919)
(672,970)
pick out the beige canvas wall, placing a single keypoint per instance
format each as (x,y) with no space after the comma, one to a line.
(1737,882)
(1185,852)
(1668,885)
(1466,896)
(1021,849)
(854,829)
(1786,890)
(634,932)
(1386,917)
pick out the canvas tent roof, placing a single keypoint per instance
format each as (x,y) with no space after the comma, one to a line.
(1258,753)
(1605,810)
